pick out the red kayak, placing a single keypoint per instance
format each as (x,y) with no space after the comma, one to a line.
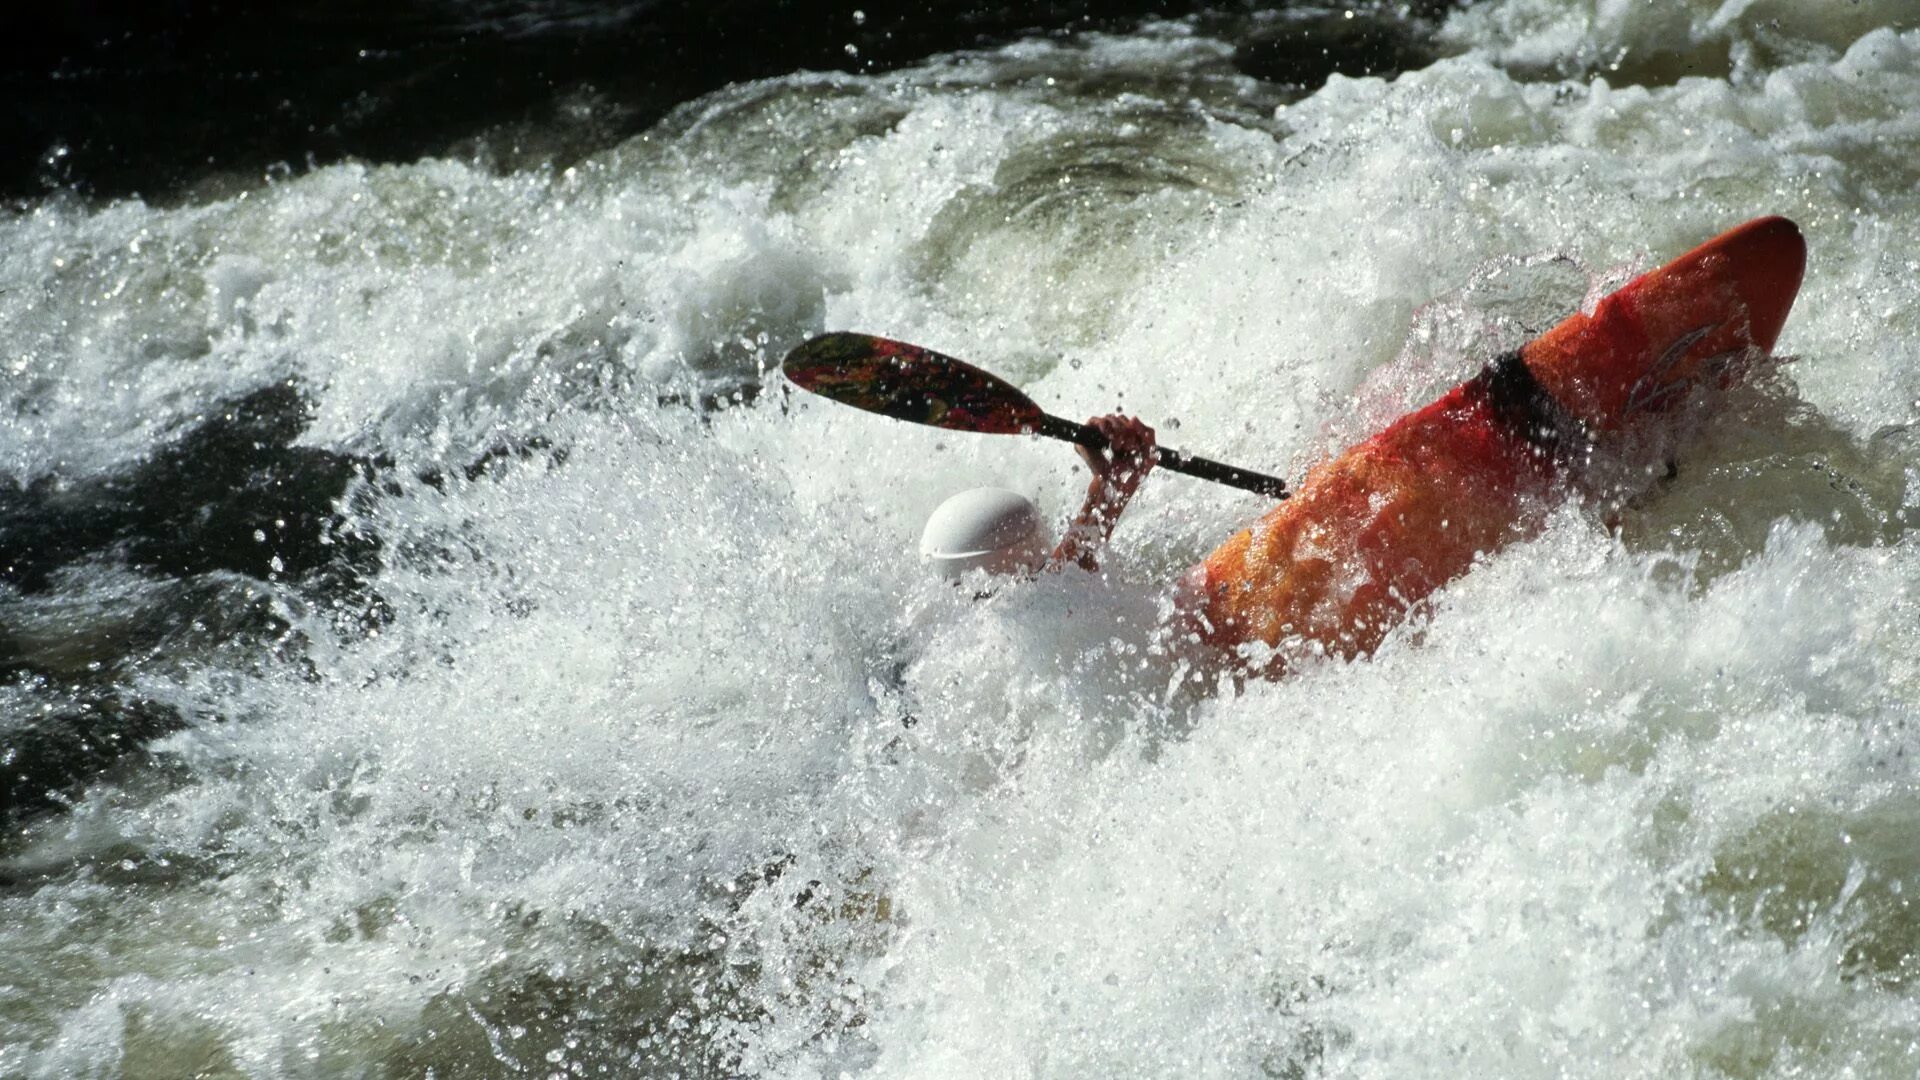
(1376,530)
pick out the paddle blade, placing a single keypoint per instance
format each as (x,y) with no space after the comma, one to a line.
(910,383)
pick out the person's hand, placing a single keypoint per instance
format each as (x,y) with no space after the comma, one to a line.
(1126,461)
(1117,471)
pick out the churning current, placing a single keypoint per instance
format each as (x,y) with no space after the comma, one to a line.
(435,642)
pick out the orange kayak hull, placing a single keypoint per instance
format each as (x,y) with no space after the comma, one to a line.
(1378,529)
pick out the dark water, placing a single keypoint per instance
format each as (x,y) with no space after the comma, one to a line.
(113,99)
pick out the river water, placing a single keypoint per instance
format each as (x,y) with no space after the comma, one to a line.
(435,644)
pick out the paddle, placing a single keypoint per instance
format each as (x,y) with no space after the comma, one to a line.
(910,383)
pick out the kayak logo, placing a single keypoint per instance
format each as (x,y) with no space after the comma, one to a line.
(1656,390)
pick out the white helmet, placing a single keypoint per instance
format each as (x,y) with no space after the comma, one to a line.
(989,529)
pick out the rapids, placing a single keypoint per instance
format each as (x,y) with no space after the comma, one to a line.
(436,644)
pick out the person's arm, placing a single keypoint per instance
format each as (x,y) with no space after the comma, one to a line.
(1117,472)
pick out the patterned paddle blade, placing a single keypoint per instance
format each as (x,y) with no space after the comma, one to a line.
(910,383)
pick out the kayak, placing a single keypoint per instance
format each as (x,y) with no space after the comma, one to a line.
(1372,533)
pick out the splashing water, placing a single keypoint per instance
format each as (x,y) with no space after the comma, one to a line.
(586,711)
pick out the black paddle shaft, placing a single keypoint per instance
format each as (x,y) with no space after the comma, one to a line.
(1204,468)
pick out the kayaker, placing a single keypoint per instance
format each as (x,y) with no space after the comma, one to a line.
(1002,532)
(1371,533)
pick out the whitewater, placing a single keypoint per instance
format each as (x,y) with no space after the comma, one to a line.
(554,692)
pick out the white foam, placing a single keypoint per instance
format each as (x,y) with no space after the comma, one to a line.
(638,729)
